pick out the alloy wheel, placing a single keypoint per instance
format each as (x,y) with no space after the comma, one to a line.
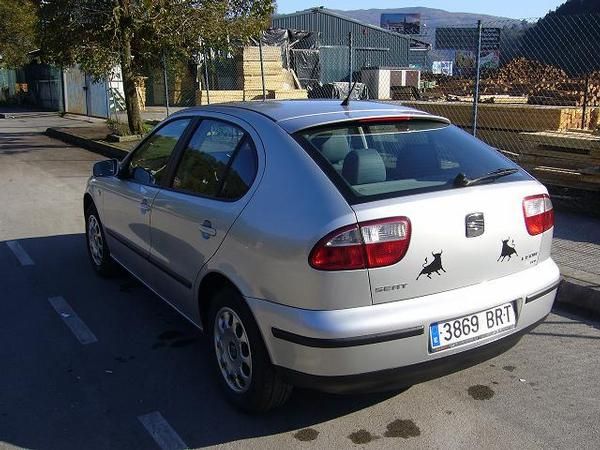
(232,348)
(95,241)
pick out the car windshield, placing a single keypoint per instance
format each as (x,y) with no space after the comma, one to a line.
(391,157)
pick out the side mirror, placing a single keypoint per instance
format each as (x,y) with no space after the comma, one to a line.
(107,168)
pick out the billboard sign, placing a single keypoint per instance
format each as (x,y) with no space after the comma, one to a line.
(442,68)
(466,39)
(489,59)
(401,23)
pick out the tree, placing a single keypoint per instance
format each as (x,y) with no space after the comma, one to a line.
(18,31)
(568,37)
(137,34)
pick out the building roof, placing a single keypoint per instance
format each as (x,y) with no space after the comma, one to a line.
(329,12)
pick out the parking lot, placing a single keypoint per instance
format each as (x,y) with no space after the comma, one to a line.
(103,363)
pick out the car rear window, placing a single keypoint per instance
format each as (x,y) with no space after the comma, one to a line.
(382,158)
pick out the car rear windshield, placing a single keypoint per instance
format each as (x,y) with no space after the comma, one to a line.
(382,158)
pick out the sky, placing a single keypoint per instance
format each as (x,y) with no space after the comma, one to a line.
(516,9)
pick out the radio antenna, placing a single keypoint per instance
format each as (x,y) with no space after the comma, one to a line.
(347,99)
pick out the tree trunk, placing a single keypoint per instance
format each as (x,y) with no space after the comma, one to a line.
(132,104)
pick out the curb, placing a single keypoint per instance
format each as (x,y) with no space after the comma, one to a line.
(578,295)
(110,151)
(25,115)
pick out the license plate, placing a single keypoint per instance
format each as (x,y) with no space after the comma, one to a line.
(472,327)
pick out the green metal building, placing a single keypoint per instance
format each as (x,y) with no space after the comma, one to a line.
(372,46)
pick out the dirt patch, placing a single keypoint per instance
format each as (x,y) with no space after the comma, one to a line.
(481,392)
(402,428)
(307,434)
(361,437)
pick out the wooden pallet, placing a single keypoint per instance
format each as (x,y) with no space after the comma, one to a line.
(253,67)
(568,178)
(273,82)
(532,160)
(505,117)
(290,94)
(221,96)
(269,53)
(568,140)
(568,159)
(225,96)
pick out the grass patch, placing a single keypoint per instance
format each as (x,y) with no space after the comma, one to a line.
(122,128)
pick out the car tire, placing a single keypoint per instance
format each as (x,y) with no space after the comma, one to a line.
(240,358)
(96,244)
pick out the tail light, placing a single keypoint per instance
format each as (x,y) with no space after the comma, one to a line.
(376,243)
(538,213)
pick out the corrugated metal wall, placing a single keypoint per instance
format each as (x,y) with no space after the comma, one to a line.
(84,95)
(8,80)
(75,92)
(44,85)
(371,47)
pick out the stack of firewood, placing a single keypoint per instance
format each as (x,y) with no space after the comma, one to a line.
(543,84)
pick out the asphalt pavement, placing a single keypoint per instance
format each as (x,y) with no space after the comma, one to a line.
(97,363)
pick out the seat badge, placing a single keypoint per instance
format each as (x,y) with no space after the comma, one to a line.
(474,225)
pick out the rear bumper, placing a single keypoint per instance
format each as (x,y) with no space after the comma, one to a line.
(402,377)
(369,347)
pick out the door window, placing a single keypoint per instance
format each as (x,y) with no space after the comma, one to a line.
(241,173)
(220,161)
(148,164)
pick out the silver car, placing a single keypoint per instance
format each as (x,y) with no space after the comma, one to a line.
(342,248)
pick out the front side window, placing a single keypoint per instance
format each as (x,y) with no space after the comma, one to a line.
(388,158)
(148,164)
(219,161)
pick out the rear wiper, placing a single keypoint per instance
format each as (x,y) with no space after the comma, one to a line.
(462,180)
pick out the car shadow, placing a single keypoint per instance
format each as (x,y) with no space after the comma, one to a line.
(147,358)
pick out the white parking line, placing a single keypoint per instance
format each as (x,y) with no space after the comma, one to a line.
(72,320)
(20,253)
(162,433)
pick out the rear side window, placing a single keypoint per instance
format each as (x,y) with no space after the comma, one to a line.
(242,172)
(372,160)
(219,161)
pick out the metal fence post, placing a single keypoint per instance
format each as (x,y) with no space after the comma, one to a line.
(262,68)
(165,81)
(349,62)
(206,77)
(477,73)
(585,101)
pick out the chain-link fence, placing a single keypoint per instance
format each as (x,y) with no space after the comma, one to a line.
(530,88)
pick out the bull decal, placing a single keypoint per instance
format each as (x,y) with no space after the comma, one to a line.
(507,250)
(433,266)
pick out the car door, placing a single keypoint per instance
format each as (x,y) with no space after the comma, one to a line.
(128,198)
(211,184)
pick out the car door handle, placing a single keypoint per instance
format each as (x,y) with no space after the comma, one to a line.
(145,206)
(207,229)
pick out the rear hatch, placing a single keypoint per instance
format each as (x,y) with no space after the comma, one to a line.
(440,255)
(461,202)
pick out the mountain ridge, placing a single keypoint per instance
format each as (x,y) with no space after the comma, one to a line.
(431,17)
